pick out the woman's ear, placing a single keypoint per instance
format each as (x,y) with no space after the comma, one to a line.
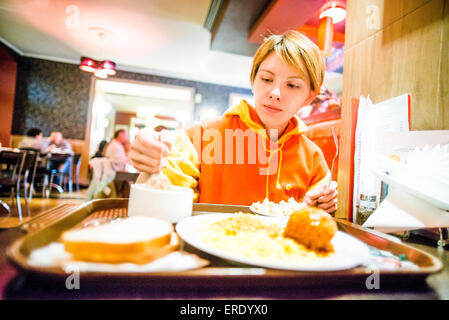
(310,99)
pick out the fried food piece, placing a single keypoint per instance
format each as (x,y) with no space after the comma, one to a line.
(311,227)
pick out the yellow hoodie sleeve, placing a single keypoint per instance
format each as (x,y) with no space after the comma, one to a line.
(182,166)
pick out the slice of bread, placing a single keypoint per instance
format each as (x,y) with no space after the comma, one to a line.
(134,239)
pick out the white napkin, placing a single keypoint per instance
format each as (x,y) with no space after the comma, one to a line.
(54,255)
(401,211)
(418,193)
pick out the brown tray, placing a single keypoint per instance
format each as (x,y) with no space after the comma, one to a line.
(219,273)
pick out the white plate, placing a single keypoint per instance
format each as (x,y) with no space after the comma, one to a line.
(254,210)
(349,252)
(266,214)
(424,193)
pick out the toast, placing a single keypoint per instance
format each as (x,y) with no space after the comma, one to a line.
(134,239)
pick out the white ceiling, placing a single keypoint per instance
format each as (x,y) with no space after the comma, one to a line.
(162,37)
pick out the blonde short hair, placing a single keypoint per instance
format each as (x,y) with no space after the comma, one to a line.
(297,51)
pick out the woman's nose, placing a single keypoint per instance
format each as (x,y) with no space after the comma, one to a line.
(275,93)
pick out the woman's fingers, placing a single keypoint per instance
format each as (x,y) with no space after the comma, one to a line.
(142,167)
(314,194)
(322,190)
(326,206)
(144,159)
(331,209)
(150,147)
(147,151)
(323,197)
(310,202)
(328,197)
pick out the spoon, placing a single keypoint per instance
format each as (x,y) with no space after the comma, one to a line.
(157,180)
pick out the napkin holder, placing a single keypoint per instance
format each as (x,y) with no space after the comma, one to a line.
(415,203)
(409,210)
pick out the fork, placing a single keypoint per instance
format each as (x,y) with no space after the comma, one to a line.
(335,156)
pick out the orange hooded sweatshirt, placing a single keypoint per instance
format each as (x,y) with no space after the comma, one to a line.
(232,161)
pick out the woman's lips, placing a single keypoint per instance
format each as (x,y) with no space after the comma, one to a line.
(271,109)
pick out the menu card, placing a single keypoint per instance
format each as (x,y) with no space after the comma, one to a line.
(374,123)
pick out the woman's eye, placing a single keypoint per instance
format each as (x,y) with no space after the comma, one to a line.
(294,86)
(266,80)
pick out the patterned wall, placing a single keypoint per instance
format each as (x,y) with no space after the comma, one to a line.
(54,96)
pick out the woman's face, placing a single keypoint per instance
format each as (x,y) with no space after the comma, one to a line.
(279,91)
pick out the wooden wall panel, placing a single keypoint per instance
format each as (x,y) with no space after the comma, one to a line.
(409,54)
(444,75)
(8,74)
(362,21)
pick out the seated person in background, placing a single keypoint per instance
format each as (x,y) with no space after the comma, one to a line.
(34,140)
(116,150)
(101,148)
(56,143)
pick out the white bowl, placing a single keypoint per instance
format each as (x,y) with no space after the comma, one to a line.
(170,205)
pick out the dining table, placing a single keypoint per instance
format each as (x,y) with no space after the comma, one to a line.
(16,283)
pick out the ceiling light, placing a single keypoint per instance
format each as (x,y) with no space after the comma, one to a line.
(87,64)
(101,69)
(100,74)
(333,9)
(108,67)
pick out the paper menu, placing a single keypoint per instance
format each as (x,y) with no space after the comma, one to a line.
(374,123)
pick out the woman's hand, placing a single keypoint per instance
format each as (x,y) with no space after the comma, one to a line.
(148,149)
(323,197)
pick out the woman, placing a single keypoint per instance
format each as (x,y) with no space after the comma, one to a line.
(253,152)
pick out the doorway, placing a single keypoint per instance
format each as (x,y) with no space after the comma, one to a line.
(133,105)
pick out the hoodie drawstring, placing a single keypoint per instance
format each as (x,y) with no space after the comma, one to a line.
(278,185)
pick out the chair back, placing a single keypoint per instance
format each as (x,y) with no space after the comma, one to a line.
(56,159)
(11,166)
(30,161)
(29,149)
(76,163)
(77,159)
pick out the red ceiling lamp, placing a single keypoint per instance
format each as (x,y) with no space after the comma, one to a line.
(333,9)
(101,69)
(100,74)
(88,64)
(108,67)
(330,13)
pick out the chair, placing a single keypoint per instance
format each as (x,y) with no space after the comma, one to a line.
(11,166)
(76,163)
(29,171)
(30,149)
(53,163)
(40,174)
